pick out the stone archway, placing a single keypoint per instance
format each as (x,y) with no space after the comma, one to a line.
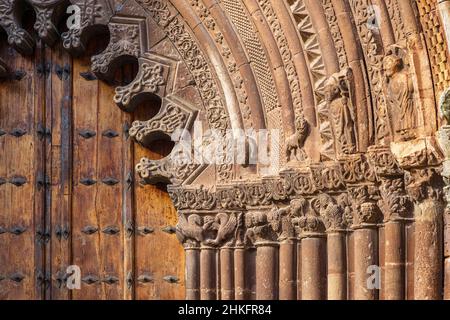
(352,88)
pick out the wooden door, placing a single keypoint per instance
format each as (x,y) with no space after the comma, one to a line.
(69,194)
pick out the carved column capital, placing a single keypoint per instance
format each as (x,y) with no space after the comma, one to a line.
(335,214)
(210,231)
(424,184)
(309,223)
(261,227)
(366,212)
(394,203)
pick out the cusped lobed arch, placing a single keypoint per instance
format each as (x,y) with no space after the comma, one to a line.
(351,85)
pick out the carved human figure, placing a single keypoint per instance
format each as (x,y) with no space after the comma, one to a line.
(339,99)
(399,91)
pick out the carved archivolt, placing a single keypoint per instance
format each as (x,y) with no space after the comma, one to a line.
(350,85)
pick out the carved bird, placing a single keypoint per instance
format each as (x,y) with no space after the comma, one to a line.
(226,226)
(190,228)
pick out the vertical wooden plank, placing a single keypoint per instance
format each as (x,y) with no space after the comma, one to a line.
(86,233)
(59,166)
(128,209)
(20,215)
(159,254)
(109,201)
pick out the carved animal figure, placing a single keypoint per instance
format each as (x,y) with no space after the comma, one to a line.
(296,142)
(190,228)
(225,225)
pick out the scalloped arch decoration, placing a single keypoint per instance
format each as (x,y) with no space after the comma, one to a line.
(353,88)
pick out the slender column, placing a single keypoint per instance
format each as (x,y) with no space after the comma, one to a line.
(266,270)
(335,223)
(394,281)
(192,273)
(288,249)
(208,282)
(366,216)
(428,250)
(396,207)
(239,273)
(261,232)
(424,186)
(313,259)
(227,273)
(337,265)
(366,258)
(288,269)
(299,269)
(314,268)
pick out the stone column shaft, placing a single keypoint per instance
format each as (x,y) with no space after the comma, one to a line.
(239,274)
(288,279)
(394,275)
(428,251)
(366,255)
(314,273)
(208,283)
(266,270)
(227,273)
(337,266)
(192,273)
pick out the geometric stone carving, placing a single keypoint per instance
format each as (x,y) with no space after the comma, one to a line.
(150,79)
(18,37)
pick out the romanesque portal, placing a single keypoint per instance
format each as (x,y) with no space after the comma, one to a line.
(351,205)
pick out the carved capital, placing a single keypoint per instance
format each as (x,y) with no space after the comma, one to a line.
(383,162)
(356,169)
(261,227)
(366,212)
(424,184)
(336,214)
(219,230)
(417,153)
(308,222)
(395,203)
